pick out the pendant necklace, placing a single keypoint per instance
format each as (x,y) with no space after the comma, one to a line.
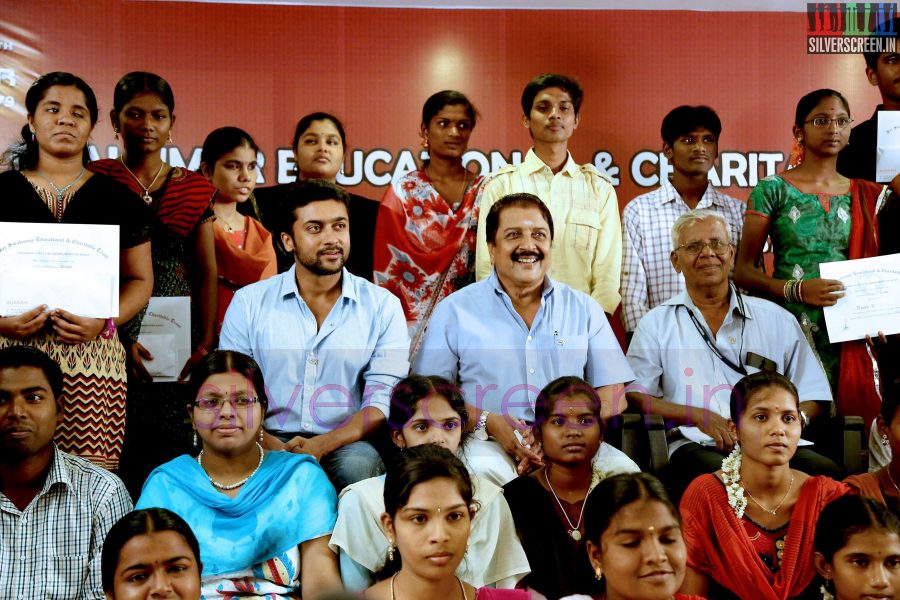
(232,486)
(773,511)
(62,190)
(146,196)
(573,531)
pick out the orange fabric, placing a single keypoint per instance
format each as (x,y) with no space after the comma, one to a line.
(242,266)
(856,393)
(718,545)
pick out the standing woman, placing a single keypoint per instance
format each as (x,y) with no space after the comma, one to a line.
(425,236)
(143,114)
(749,527)
(48,183)
(814,215)
(244,251)
(319,145)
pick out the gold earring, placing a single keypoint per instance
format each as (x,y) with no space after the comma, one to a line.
(116,134)
(390,550)
(171,141)
(260,435)
(598,573)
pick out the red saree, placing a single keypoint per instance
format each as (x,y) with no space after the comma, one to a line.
(718,545)
(242,266)
(424,246)
(856,393)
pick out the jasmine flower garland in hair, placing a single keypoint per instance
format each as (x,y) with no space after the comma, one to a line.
(731,477)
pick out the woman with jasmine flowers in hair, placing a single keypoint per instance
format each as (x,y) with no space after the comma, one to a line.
(749,527)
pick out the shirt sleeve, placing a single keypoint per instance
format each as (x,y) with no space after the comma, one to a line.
(606,268)
(645,358)
(113,503)
(389,362)
(764,200)
(487,197)
(235,334)
(606,364)
(635,297)
(439,354)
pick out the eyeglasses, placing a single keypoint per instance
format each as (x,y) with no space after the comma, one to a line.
(823,122)
(718,247)
(214,403)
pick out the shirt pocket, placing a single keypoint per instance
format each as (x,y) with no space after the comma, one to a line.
(569,355)
(582,229)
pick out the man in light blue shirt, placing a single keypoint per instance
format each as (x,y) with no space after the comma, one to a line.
(331,345)
(504,338)
(688,353)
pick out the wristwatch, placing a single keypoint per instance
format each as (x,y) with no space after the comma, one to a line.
(481,426)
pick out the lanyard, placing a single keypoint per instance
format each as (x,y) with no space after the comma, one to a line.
(715,350)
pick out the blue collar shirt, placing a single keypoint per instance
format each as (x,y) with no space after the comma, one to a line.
(476,338)
(318,378)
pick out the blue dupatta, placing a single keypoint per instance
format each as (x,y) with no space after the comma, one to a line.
(287,502)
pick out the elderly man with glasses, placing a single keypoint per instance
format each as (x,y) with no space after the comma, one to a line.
(690,351)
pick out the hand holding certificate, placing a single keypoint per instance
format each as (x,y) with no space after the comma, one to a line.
(60,265)
(872,287)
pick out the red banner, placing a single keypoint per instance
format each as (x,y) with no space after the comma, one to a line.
(261,67)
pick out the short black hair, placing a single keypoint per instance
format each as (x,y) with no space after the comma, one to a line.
(872,57)
(16,357)
(299,194)
(686,119)
(522,200)
(543,81)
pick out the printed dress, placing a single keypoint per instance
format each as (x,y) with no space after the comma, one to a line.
(94,378)
(424,245)
(809,229)
(156,411)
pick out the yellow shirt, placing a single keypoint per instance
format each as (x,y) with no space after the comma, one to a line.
(587,236)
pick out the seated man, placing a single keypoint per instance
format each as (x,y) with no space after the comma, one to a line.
(331,345)
(55,509)
(504,338)
(688,353)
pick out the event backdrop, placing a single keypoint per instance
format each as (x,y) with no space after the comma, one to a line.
(261,67)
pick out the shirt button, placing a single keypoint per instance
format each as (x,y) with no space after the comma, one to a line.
(731,340)
(529,338)
(531,371)
(313,360)
(306,426)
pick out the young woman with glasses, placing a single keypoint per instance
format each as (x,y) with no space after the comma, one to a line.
(258,515)
(813,214)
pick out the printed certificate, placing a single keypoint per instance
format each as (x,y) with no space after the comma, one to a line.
(870,302)
(166,333)
(62,265)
